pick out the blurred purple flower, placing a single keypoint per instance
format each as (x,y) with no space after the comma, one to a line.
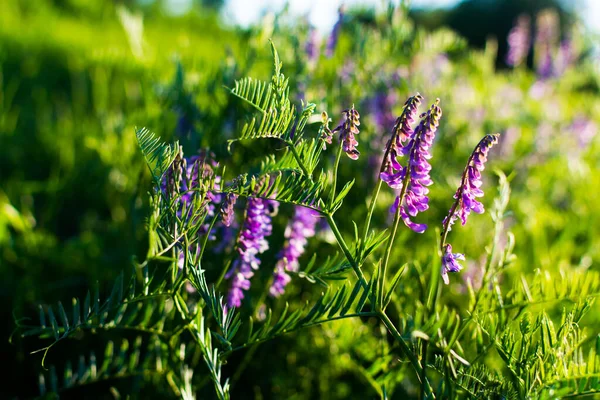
(545,41)
(333,38)
(380,106)
(299,229)
(312,47)
(519,41)
(251,242)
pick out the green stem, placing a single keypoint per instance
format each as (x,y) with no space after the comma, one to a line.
(335,175)
(406,350)
(370,214)
(346,251)
(292,148)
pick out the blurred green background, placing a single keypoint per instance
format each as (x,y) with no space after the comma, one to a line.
(76,78)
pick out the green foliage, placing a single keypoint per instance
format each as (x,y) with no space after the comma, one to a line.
(76,207)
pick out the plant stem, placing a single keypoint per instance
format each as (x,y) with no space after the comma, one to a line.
(370,214)
(406,350)
(346,251)
(335,175)
(292,148)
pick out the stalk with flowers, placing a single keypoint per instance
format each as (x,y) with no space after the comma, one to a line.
(227,309)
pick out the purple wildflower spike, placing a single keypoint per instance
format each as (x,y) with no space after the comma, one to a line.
(332,40)
(450,263)
(227,209)
(545,41)
(300,228)
(312,47)
(519,41)
(415,178)
(465,201)
(391,171)
(251,242)
(348,129)
(470,187)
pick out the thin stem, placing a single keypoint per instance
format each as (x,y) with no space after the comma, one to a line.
(346,251)
(292,148)
(370,212)
(390,243)
(335,175)
(406,350)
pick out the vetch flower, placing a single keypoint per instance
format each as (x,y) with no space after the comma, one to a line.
(299,229)
(348,128)
(332,40)
(519,42)
(251,242)
(414,178)
(450,263)
(392,172)
(465,201)
(227,209)
(312,46)
(470,187)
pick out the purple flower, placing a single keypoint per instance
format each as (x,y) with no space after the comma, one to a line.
(545,41)
(332,40)
(519,41)
(415,178)
(392,172)
(381,108)
(450,263)
(470,187)
(348,128)
(251,242)
(312,47)
(227,209)
(300,228)
(465,201)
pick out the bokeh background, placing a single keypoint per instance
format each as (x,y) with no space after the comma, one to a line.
(77,77)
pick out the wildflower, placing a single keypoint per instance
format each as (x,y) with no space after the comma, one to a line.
(465,202)
(392,172)
(470,187)
(381,109)
(414,178)
(347,130)
(450,263)
(519,42)
(335,33)
(300,228)
(545,41)
(251,242)
(227,208)
(312,46)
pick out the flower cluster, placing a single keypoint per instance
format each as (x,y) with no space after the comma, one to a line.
(470,187)
(312,45)
(348,128)
(450,263)
(465,201)
(300,228)
(413,179)
(251,242)
(332,40)
(227,209)
(392,172)
(519,41)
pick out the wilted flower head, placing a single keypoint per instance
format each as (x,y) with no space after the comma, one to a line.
(348,128)
(519,41)
(227,208)
(300,228)
(450,262)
